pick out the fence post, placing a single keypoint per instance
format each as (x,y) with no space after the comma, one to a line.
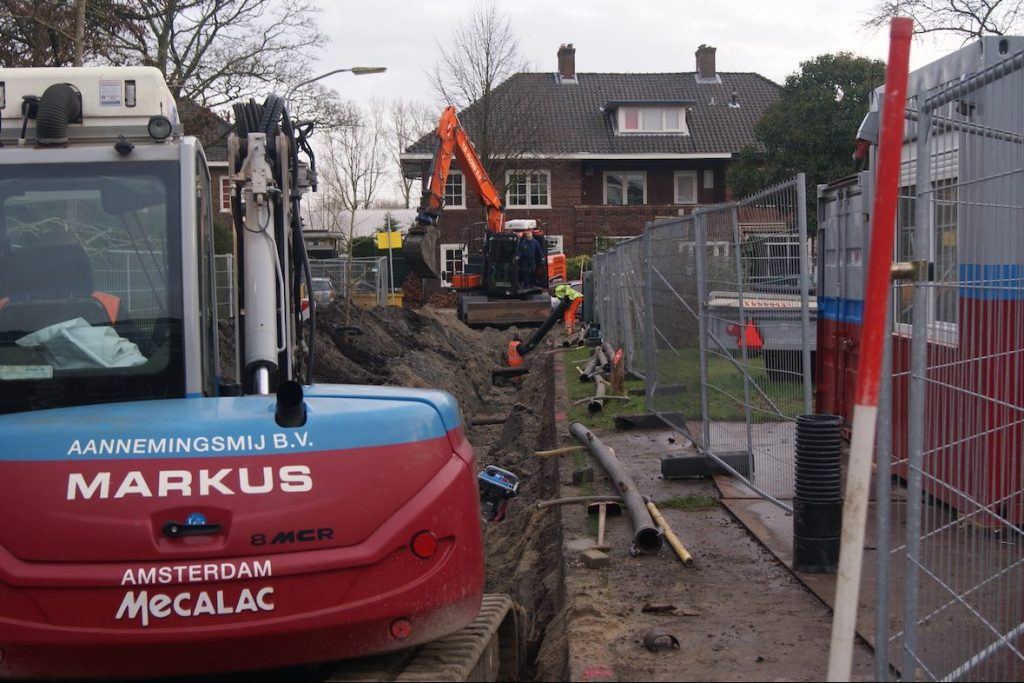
(918,371)
(700,229)
(883,500)
(805,275)
(738,249)
(650,338)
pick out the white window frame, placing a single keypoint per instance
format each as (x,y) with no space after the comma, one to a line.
(529,189)
(939,331)
(682,128)
(676,197)
(446,275)
(455,176)
(604,186)
(226,187)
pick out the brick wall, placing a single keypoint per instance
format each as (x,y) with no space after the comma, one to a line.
(577,193)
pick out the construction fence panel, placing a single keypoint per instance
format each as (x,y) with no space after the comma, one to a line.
(952,525)
(758,320)
(718,307)
(367,276)
(672,339)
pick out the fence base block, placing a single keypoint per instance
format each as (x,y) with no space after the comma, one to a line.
(693,466)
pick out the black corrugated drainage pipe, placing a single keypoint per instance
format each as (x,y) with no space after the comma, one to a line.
(818,503)
(646,537)
(529,345)
(60,105)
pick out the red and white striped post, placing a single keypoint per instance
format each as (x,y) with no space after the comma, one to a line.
(876,293)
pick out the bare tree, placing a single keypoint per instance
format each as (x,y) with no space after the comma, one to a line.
(212,52)
(61,33)
(352,166)
(483,54)
(969,19)
(407,122)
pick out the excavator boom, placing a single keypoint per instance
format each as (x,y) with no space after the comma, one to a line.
(420,245)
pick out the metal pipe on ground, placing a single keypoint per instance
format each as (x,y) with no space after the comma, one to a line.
(574,500)
(597,403)
(646,537)
(609,354)
(590,369)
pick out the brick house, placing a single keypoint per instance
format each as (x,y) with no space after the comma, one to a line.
(617,149)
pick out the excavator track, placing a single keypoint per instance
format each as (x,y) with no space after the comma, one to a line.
(489,649)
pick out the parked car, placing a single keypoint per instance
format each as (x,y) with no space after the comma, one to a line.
(323,291)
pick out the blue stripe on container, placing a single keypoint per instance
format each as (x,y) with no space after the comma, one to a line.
(338,417)
(841,310)
(992,281)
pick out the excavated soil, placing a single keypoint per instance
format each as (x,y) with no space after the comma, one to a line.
(428,347)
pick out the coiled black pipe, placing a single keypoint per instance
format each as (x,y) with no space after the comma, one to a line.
(646,537)
(60,105)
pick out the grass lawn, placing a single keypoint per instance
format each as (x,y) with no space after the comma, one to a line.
(770,399)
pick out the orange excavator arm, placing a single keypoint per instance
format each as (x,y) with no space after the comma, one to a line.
(420,246)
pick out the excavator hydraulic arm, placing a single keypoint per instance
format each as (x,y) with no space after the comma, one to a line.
(420,245)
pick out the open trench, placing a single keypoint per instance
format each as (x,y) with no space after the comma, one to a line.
(431,348)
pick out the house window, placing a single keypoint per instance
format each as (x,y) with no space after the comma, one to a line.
(453,262)
(455,190)
(686,187)
(709,179)
(652,120)
(528,189)
(226,188)
(623,188)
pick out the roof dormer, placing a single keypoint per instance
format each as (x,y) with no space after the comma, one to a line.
(667,117)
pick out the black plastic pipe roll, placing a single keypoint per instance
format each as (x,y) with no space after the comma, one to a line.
(818,503)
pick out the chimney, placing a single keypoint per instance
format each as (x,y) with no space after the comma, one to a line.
(706,63)
(567,62)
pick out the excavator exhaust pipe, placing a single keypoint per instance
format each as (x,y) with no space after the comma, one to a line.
(420,252)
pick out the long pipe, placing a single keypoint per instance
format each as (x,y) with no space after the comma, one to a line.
(646,536)
(574,500)
(529,345)
(670,536)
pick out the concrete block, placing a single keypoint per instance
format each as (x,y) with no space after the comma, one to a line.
(595,559)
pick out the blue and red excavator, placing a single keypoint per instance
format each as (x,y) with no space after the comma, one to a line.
(166,515)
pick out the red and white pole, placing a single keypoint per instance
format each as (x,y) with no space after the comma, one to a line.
(865,411)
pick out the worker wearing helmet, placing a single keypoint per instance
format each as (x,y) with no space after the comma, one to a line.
(565,292)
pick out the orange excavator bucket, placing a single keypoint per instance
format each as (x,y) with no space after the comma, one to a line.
(420,251)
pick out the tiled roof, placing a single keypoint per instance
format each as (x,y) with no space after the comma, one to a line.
(576,118)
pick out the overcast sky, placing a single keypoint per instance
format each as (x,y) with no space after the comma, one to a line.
(769,37)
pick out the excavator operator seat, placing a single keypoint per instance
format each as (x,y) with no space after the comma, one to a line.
(42,285)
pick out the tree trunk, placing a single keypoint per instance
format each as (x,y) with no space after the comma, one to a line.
(79,32)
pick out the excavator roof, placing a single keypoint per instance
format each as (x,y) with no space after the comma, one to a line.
(113,98)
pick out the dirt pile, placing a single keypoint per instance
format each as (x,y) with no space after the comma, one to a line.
(429,347)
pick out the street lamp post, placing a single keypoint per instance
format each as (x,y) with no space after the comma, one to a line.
(356,71)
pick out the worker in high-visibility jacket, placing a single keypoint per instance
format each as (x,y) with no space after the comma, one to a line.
(569,317)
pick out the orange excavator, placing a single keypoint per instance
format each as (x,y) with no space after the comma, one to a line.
(493,290)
